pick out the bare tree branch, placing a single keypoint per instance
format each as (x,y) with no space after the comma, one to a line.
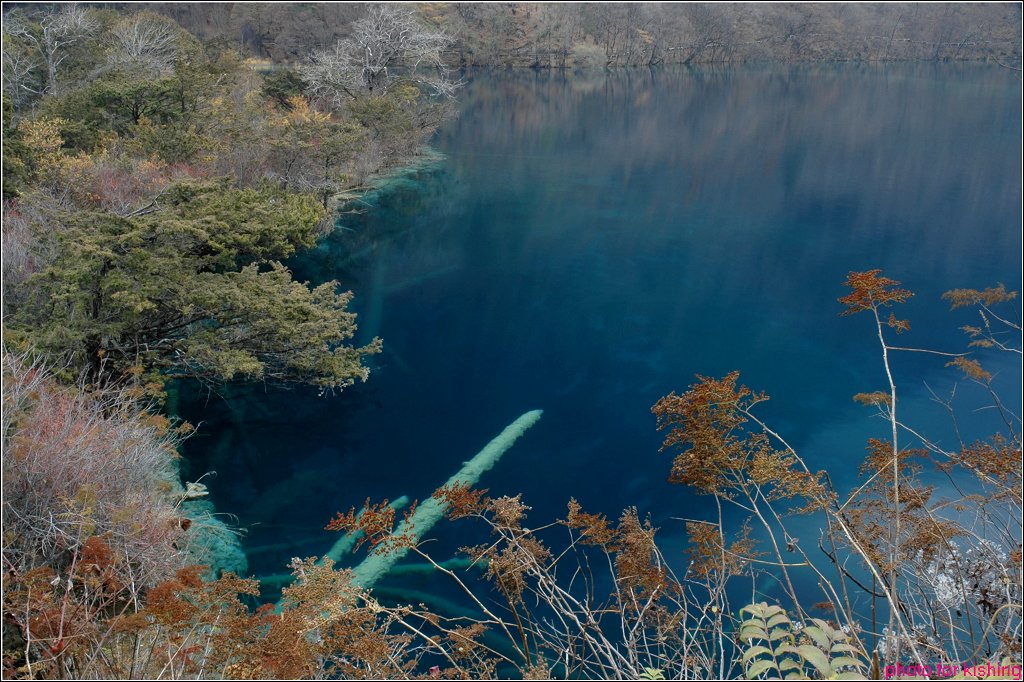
(389,45)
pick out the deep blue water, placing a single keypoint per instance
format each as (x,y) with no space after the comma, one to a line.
(589,243)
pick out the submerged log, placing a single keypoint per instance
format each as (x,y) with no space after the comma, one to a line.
(430,511)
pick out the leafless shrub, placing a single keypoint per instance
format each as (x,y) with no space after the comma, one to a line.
(20,64)
(146,41)
(17,245)
(388,45)
(79,466)
(59,30)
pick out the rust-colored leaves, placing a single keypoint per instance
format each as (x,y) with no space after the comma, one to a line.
(719,455)
(374,522)
(870,292)
(462,499)
(962,298)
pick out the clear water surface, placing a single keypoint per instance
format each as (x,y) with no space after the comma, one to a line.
(590,242)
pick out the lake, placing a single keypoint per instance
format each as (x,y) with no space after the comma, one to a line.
(586,243)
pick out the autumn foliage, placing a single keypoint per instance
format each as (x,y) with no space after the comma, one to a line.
(718,455)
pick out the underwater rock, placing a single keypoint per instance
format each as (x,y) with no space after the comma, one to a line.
(401,176)
(194,491)
(211,542)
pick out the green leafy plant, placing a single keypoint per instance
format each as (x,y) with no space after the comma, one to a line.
(772,645)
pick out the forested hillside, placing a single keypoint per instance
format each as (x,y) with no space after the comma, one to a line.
(618,34)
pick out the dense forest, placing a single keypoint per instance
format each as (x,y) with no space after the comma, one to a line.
(161,162)
(637,34)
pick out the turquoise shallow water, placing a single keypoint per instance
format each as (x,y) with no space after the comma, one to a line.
(587,243)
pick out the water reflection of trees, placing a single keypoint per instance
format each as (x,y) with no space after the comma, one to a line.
(856,146)
(742,189)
